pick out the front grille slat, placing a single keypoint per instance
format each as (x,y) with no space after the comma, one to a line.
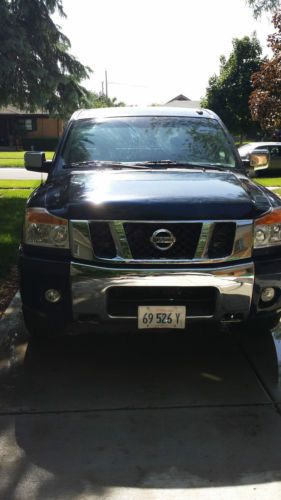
(124,301)
(102,241)
(221,243)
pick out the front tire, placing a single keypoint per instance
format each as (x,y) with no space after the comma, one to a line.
(38,327)
(257,326)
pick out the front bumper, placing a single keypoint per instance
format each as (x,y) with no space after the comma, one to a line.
(91,286)
(85,289)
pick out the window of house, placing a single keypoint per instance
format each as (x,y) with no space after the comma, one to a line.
(27,124)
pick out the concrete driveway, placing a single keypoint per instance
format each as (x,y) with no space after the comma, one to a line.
(194,415)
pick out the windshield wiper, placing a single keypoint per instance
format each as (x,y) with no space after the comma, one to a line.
(142,165)
(183,164)
(165,162)
(100,164)
(91,164)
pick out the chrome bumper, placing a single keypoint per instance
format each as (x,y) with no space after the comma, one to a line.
(90,284)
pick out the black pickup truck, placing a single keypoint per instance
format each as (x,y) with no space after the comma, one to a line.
(148,219)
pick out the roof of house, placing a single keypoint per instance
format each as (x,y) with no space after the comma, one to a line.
(183,104)
(181,101)
(12,110)
(179,97)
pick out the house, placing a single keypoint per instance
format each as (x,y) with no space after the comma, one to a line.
(23,130)
(181,101)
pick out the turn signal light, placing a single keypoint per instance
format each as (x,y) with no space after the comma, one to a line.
(44,229)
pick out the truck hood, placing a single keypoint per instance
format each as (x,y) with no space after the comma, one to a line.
(154,195)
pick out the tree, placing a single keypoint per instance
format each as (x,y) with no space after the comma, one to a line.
(94,100)
(265,100)
(260,6)
(36,68)
(228,93)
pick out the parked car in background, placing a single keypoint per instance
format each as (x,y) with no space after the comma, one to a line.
(273,148)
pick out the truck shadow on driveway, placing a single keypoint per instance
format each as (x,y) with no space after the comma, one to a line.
(162,411)
(114,371)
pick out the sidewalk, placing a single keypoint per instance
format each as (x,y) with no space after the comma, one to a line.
(20,174)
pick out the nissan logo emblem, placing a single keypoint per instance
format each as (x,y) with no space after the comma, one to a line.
(162,239)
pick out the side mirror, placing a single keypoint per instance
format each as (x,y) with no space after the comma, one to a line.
(259,159)
(36,161)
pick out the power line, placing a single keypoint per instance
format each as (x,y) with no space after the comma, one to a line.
(128,84)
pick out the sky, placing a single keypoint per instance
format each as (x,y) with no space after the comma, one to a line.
(154,50)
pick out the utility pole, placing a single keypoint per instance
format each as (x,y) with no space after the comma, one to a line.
(106,85)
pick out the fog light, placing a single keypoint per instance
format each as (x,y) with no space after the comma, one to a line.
(268,294)
(52,295)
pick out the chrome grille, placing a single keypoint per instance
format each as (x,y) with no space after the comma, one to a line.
(139,240)
(130,242)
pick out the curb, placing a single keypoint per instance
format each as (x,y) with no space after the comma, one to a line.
(11,321)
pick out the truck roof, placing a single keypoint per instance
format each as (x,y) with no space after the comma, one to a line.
(142,111)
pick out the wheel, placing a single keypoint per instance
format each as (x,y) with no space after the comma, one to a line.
(257,326)
(38,327)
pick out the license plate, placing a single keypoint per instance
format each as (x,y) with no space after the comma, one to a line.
(161,317)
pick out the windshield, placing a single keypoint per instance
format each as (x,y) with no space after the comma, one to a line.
(149,139)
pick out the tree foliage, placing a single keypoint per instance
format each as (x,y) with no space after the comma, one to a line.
(36,68)
(94,100)
(260,6)
(265,100)
(228,93)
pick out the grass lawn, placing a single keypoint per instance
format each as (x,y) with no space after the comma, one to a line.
(16,158)
(12,203)
(18,184)
(13,196)
(277,191)
(269,181)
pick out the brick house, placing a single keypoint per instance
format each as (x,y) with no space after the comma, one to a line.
(18,127)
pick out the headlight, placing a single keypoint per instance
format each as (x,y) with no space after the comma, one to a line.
(44,229)
(268,230)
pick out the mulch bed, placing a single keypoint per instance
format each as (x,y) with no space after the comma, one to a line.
(8,288)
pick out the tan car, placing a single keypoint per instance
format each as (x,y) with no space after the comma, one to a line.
(274,150)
